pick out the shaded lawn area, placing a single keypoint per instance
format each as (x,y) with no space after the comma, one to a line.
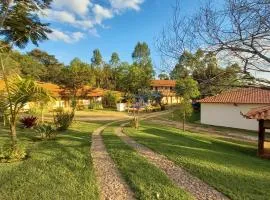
(175,115)
(146,180)
(228,165)
(194,120)
(57,169)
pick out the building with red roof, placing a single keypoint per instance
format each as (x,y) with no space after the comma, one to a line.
(167,88)
(225,109)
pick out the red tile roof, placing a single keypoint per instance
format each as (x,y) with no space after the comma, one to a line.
(259,113)
(164,83)
(57,91)
(241,95)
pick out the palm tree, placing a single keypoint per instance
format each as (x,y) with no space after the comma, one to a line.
(20,92)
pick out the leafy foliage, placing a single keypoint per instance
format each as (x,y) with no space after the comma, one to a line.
(46,131)
(188,89)
(95,106)
(97,58)
(12,154)
(63,120)
(110,99)
(29,121)
(21,24)
(205,69)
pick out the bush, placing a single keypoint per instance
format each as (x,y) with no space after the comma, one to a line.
(63,120)
(95,106)
(81,107)
(110,99)
(12,154)
(29,121)
(46,131)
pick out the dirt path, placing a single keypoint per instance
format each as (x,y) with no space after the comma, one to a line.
(203,130)
(111,184)
(179,176)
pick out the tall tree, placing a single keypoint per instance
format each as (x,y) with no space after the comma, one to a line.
(212,78)
(237,30)
(52,65)
(97,59)
(141,54)
(186,88)
(142,65)
(74,77)
(19,24)
(115,60)
(28,66)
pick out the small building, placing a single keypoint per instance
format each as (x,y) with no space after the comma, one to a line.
(262,115)
(167,89)
(225,109)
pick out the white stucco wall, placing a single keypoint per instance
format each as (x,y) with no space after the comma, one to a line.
(228,115)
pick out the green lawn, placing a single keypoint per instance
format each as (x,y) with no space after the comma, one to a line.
(194,120)
(57,169)
(146,180)
(230,166)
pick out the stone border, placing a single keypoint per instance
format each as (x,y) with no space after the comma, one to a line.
(110,182)
(196,187)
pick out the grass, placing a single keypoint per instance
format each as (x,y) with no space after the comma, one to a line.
(146,180)
(230,166)
(194,120)
(57,169)
(176,116)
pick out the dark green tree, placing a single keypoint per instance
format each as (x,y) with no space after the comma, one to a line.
(163,76)
(97,59)
(28,66)
(142,69)
(115,60)
(20,24)
(74,77)
(186,88)
(52,65)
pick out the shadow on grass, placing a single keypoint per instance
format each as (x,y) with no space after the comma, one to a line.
(56,169)
(230,166)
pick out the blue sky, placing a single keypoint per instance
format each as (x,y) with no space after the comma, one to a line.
(80,26)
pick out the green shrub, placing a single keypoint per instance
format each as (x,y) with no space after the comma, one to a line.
(81,107)
(110,99)
(63,120)
(12,154)
(95,106)
(46,131)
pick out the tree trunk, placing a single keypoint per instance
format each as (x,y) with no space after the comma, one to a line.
(13,134)
(42,116)
(184,120)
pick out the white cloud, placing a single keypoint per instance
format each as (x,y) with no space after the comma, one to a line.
(58,35)
(101,13)
(67,17)
(84,16)
(62,16)
(126,4)
(80,7)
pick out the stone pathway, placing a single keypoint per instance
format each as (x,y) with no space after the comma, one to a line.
(199,189)
(111,184)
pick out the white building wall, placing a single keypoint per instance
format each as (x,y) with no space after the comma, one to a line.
(228,115)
